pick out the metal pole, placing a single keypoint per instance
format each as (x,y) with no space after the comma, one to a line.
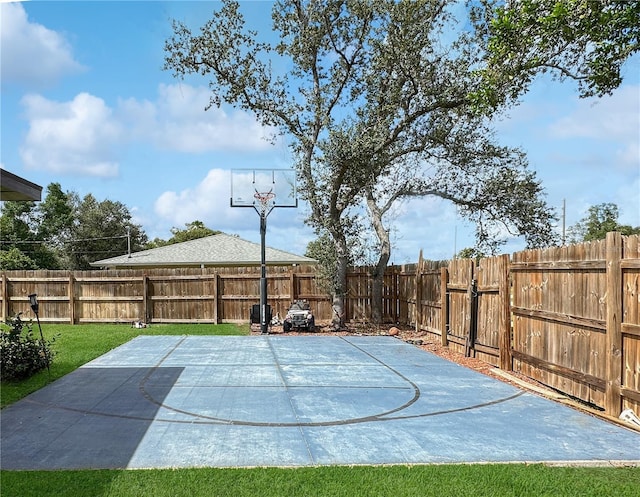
(564,219)
(263,274)
(44,353)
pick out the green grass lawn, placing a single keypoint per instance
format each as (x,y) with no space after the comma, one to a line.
(339,481)
(76,345)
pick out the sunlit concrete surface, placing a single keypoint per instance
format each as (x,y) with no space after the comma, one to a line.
(173,402)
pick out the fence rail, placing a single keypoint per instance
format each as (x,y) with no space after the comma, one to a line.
(568,317)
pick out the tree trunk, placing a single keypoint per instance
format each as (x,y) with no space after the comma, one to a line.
(385,254)
(377,287)
(340,288)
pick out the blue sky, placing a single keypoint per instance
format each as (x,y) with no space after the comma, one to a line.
(85,103)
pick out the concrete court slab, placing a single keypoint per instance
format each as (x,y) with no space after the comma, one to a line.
(172,402)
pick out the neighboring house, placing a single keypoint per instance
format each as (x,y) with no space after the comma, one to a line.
(15,188)
(220,250)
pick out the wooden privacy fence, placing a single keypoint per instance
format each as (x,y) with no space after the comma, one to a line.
(568,317)
(209,295)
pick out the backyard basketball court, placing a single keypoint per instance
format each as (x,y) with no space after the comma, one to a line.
(176,402)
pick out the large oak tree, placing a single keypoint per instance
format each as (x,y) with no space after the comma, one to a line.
(380,100)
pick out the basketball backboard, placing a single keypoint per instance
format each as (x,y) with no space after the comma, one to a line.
(248,186)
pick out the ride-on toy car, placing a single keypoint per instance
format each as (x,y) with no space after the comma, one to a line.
(299,316)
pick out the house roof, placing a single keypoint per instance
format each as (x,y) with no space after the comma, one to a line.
(216,250)
(13,187)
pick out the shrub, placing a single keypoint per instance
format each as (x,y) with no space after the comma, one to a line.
(21,353)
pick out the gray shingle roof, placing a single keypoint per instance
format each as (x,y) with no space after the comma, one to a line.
(214,250)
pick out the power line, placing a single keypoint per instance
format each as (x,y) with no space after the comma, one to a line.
(18,242)
(22,242)
(92,239)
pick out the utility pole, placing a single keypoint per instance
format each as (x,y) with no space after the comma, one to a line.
(564,219)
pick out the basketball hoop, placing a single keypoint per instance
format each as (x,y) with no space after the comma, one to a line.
(264,198)
(258,189)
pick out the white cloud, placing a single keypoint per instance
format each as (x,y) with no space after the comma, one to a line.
(85,136)
(609,116)
(208,202)
(613,119)
(32,55)
(629,153)
(75,137)
(178,121)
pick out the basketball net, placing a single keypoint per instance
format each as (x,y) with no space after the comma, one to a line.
(264,199)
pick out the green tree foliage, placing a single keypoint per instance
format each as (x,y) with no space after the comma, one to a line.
(14,258)
(193,231)
(17,223)
(600,220)
(102,230)
(470,253)
(21,246)
(56,215)
(323,250)
(65,232)
(21,353)
(587,41)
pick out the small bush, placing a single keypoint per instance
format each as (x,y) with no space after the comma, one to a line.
(21,353)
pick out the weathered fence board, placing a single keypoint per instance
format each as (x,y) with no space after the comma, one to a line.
(492,294)
(559,308)
(429,297)
(630,323)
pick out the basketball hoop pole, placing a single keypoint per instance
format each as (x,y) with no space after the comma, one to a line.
(263,211)
(264,326)
(263,189)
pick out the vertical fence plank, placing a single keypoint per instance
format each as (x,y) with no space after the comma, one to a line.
(215,295)
(392,295)
(504,318)
(418,292)
(444,309)
(5,298)
(72,301)
(614,329)
(472,295)
(292,286)
(631,324)
(145,298)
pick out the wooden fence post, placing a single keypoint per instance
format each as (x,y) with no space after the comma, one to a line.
(504,321)
(472,299)
(5,300)
(613,399)
(72,300)
(444,306)
(418,306)
(394,301)
(145,298)
(292,285)
(216,287)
